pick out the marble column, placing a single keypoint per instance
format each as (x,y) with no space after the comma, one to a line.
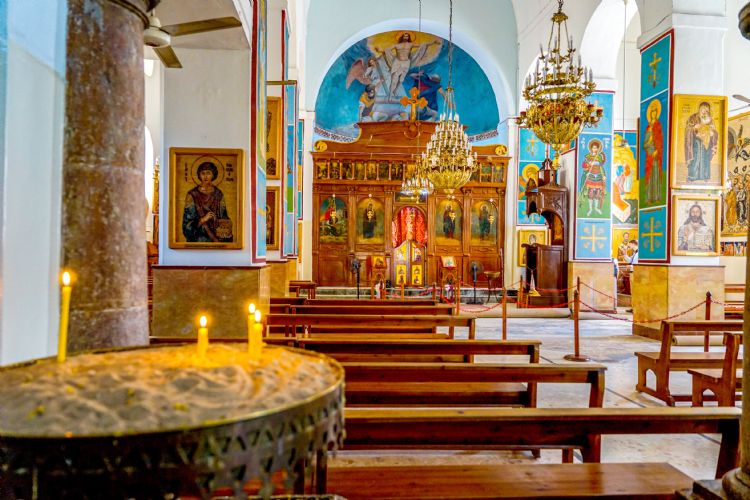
(736,483)
(104,206)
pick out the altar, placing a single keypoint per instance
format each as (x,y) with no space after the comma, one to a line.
(362,213)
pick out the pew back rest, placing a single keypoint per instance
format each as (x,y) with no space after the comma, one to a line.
(669,328)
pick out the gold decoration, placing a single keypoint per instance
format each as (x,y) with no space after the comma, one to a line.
(556,93)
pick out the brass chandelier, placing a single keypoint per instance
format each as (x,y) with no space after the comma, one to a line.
(448,162)
(556,92)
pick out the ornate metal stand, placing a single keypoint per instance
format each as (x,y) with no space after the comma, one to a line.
(176,462)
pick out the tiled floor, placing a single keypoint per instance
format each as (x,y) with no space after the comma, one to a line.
(605,341)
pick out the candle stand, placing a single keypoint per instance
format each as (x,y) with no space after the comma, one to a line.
(177,462)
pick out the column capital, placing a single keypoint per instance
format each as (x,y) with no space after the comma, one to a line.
(140,8)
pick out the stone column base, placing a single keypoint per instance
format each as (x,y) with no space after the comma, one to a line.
(597,275)
(182,294)
(660,291)
(281,273)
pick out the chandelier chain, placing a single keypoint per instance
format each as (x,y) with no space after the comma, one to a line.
(450,46)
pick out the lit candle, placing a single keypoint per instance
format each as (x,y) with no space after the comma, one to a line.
(256,339)
(250,322)
(62,339)
(202,338)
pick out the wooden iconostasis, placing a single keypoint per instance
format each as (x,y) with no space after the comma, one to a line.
(360,211)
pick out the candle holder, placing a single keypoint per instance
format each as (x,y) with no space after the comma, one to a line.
(173,462)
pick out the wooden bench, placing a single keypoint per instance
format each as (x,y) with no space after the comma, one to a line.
(296,285)
(664,361)
(354,302)
(370,324)
(391,308)
(419,350)
(380,429)
(734,300)
(461,384)
(724,382)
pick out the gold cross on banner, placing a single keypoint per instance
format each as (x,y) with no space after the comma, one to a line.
(531,145)
(654,65)
(593,239)
(651,235)
(413,103)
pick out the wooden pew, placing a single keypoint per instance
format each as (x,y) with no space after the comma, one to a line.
(664,361)
(354,302)
(418,350)
(735,300)
(296,285)
(461,384)
(390,308)
(370,324)
(723,382)
(379,429)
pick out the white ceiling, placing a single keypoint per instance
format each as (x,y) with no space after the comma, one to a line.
(182,11)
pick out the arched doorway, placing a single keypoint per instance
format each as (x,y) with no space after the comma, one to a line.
(409,240)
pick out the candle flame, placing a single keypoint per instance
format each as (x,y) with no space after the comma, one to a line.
(251,308)
(257,316)
(66,278)
(203,321)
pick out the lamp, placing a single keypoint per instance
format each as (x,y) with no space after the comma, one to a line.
(556,92)
(448,162)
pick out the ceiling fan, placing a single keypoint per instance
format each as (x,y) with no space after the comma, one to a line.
(742,98)
(160,37)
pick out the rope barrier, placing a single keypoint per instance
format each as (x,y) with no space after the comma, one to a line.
(602,313)
(598,291)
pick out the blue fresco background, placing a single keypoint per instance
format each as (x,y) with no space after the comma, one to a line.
(337,108)
(587,248)
(657,216)
(531,151)
(660,88)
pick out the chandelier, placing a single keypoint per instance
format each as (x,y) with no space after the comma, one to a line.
(556,93)
(448,162)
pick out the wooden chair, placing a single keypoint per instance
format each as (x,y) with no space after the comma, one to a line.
(724,382)
(664,361)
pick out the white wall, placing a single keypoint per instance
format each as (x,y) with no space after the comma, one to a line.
(206,104)
(31,187)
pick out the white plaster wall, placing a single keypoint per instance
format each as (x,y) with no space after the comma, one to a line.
(35,98)
(206,104)
(628,79)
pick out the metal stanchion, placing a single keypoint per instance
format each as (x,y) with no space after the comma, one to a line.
(576,356)
(458,299)
(707,335)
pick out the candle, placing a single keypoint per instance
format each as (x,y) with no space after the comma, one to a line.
(250,322)
(202,338)
(256,338)
(62,340)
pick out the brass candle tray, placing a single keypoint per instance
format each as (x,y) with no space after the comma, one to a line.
(176,463)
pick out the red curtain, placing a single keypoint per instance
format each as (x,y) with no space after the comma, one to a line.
(409,224)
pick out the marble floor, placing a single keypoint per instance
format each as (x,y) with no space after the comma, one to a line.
(608,342)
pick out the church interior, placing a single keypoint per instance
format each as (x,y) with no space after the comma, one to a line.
(406,249)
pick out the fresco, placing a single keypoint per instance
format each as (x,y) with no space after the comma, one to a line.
(368,81)
(652,235)
(654,151)
(448,221)
(735,206)
(259,74)
(594,172)
(593,239)
(483,224)
(604,100)
(333,221)
(531,154)
(370,224)
(624,178)
(622,249)
(653,148)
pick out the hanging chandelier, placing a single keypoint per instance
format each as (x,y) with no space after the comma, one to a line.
(448,162)
(556,92)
